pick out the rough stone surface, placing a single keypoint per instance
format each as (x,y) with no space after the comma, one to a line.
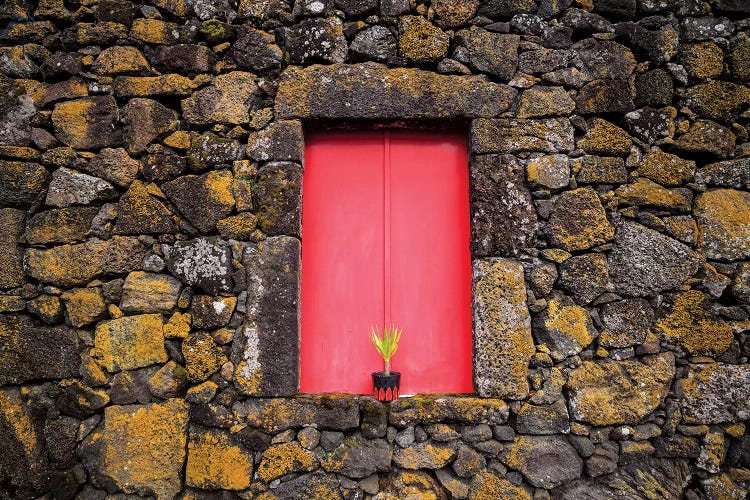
(714,393)
(427,409)
(214,461)
(359,458)
(644,261)
(87,123)
(130,342)
(627,322)
(722,217)
(341,414)
(578,221)
(145,121)
(494,53)
(502,329)
(544,461)
(11,253)
(611,392)
(371,90)
(316,40)
(227,100)
(149,293)
(203,262)
(141,210)
(266,354)
(278,196)
(552,135)
(21,183)
(204,199)
(564,326)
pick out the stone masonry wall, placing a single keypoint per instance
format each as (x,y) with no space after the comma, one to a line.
(151,158)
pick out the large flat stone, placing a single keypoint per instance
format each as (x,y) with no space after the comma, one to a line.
(503,344)
(139,449)
(715,393)
(371,90)
(332,412)
(429,409)
(32,352)
(266,352)
(545,461)
(608,392)
(130,342)
(506,135)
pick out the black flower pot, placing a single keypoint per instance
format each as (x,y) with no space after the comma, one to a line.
(386,386)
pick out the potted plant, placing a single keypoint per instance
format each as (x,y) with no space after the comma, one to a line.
(386,383)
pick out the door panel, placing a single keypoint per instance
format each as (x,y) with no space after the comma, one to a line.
(385,230)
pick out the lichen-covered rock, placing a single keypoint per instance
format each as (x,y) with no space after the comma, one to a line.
(210,312)
(214,461)
(130,342)
(545,461)
(202,356)
(718,100)
(316,485)
(87,123)
(702,60)
(77,264)
(284,459)
(375,43)
(666,169)
(21,183)
(316,40)
(452,13)
(504,220)
(183,58)
(427,455)
(333,413)
(543,419)
(69,187)
(149,293)
(208,150)
(17,108)
(11,253)
(161,32)
(145,121)
(358,458)
(608,392)
(723,216)
(84,305)
(605,138)
(502,327)
(644,262)
(605,59)
(24,470)
(204,199)
(714,393)
(626,322)
(644,192)
(120,60)
(549,171)
(690,323)
(202,262)
(256,50)
(153,86)
(279,198)
(545,101)
(651,125)
(585,276)
(140,211)
(371,90)
(266,352)
(169,381)
(488,52)
(237,227)
(428,409)
(564,326)
(139,449)
(114,165)
(486,485)
(229,99)
(32,352)
(578,221)
(421,41)
(605,96)
(706,137)
(503,135)
(730,173)
(280,141)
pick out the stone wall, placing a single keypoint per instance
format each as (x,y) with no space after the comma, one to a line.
(151,158)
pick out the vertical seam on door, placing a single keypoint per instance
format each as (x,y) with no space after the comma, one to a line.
(386,227)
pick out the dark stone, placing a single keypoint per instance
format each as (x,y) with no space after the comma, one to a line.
(544,461)
(603,460)
(605,96)
(476,433)
(318,40)
(21,183)
(203,199)
(375,43)
(616,8)
(706,137)
(146,120)
(705,28)
(503,216)
(677,446)
(429,409)
(203,357)
(585,276)
(493,53)
(183,58)
(650,124)
(714,393)
(505,9)
(279,141)
(88,123)
(70,187)
(356,7)
(128,388)
(266,351)
(557,37)
(468,462)
(162,165)
(627,322)
(502,135)
(371,90)
(578,221)
(62,65)
(308,486)
(79,400)
(32,351)
(113,165)
(11,253)
(654,88)
(61,438)
(729,173)
(253,439)
(564,326)
(605,59)
(142,213)
(357,457)
(585,23)
(658,46)
(202,262)
(16,108)
(256,50)
(116,11)
(330,439)
(733,5)
(543,60)
(208,150)
(209,312)
(339,413)
(716,100)
(543,419)
(591,169)
(212,415)
(278,198)
(644,262)
(374,419)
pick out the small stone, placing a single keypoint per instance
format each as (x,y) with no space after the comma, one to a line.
(644,192)
(210,312)
(21,183)
(578,221)
(149,293)
(543,419)
(203,357)
(84,306)
(237,227)
(69,187)
(730,173)
(357,458)
(202,262)
(605,59)
(169,381)
(590,169)
(603,460)
(278,193)
(702,60)
(714,393)
(281,140)
(425,455)
(552,135)
(204,199)
(605,138)
(452,13)
(316,40)
(543,60)
(201,393)
(130,342)
(627,322)
(114,165)
(120,60)
(564,326)
(227,100)
(493,53)
(468,462)
(208,150)
(256,51)
(140,212)
(705,28)
(545,462)
(283,459)
(420,41)
(145,121)
(309,437)
(183,58)
(604,96)
(161,32)
(375,43)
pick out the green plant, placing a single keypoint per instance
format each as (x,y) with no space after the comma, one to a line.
(386,344)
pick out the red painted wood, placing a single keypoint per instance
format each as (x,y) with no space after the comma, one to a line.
(385,239)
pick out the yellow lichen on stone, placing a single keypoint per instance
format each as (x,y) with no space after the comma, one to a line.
(144,447)
(571,323)
(424,455)
(691,324)
(84,305)
(178,326)
(420,40)
(73,115)
(147,86)
(604,137)
(152,30)
(702,60)
(284,459)
(238,227)
(178,140)
(119,60)
(724,221)
(488,486)
(666,169)
(214,462)
(644,192)
(219,187)
(130,342)
(18,416)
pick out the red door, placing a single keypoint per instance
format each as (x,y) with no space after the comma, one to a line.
(385,239)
